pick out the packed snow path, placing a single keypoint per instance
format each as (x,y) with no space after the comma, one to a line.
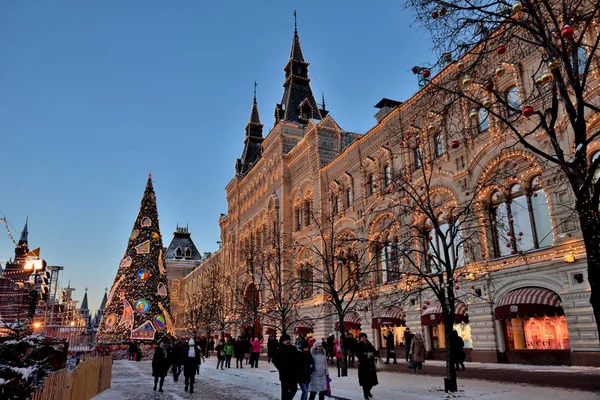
(133,381)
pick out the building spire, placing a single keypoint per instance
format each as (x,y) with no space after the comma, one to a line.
(298,103)
(253,142)
(25,233)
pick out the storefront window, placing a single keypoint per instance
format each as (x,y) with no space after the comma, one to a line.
(538,333)
(398,332)
(438,335)
(464,331)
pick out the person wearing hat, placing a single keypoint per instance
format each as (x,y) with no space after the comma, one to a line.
(191,363)
(287,362)
(367,374)
(161,363)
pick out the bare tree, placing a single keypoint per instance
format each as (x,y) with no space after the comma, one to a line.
(552,49)
(333,262)
(193,313)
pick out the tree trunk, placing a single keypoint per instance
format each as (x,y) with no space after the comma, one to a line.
(590,229)
(344,361)
(450,381)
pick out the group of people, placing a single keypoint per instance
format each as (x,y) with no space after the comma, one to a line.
(239,349)
(306,366)
(180,357)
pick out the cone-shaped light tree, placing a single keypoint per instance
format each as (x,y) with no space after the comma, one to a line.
(138,305)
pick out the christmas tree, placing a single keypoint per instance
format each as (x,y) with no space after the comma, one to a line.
(138,305)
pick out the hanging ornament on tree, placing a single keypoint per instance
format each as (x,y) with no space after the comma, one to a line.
(127,318)
(567,32)
(162,290)
(143,332)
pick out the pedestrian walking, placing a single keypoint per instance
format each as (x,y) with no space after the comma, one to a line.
(203,344)
(211,346)
(255,343)
(457,352)
(160,364)
(367,374)
(131,351)
(337,349)
(177,359)
(390,347)
(220,349)
(329,347)
(320,373)
(191,364)
(228,349)
(408,337)
(272,346)
(350,347)
(238,352)
(417,353)
(306,364)
(248,350)
(287,362)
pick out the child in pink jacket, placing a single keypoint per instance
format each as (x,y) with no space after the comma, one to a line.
(255,344)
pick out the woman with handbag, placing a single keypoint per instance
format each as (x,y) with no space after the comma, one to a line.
(367,374)
(417,353)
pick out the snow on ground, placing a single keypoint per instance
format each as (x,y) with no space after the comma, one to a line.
(132,380)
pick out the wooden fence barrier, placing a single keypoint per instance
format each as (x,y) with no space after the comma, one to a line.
(89,378)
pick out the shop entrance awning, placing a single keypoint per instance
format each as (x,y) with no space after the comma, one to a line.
(390,316)
(303,326)
(351,321)
(528,301)
(433,314)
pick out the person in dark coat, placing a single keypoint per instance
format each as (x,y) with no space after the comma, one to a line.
(177,357)
(408,337)
(367,375)
(457,346)
(220,349)
(160,364)
(287,360)
(203,343)
(350,347)
(272,346)
(239,349)
(132,350)
(191,362)
(329,348)
(306,364)
(389,345)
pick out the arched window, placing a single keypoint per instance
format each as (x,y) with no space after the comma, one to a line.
(370,185)
(384,261)
(336,204)
(306,284)
(298,217)
(521,221)
(349,198)
(449,237)
(512,99)
(188,253)
(418,158)
(307,212)
(387,175)
(179,253)
(482,120)
(438,144)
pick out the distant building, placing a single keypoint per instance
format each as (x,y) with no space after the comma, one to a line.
(181,258)
(98,315)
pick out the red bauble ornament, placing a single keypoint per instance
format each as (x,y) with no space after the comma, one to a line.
(489,86)
(422,187)
(484,220)
(513,252)
(535,195)
(508,233)
(501,49)
(457,287)
(527,111)
(426,73)
(445,112)
(435,14)
(472,287)
(428,302)
(504,262)
(370,208)
(508,244)
(424,307)
(430,237)
(467,193)
(455,144)
(402,143)
(567,32)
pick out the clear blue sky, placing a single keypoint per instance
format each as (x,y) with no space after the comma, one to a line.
(94,95)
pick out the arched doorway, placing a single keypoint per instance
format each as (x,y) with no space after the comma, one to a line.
(252,326)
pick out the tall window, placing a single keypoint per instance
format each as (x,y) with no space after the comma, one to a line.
(438,144)
(307,212)
(306,284)
(387,175)
(512,99)
(482,120)
(370,184)
(418,158)
(521,221)
(349,199)
(336,204)
(451,239)
(383,261)
(298,217)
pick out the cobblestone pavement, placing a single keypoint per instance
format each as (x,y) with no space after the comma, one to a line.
(133,381)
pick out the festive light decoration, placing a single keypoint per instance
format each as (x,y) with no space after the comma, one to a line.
(567,32)
(489,86)
(501,49)
(544,78)
(517,6)
(467,80)
(140,281)
(528,111)
(499,71)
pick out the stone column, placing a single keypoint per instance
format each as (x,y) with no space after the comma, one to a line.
(500,336)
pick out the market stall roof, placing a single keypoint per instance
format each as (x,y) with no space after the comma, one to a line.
(433,315)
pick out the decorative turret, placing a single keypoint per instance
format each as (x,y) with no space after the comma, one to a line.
(298,103)
(252,143)
(23,245)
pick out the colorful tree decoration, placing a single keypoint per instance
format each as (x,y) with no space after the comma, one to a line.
(140,292)
(142,305)
(145,331)
(143,274)
(159,321)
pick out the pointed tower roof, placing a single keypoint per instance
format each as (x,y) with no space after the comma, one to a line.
(298,103)
(180,244)
(252,142)
(103,304)
(25,233)
(84,303)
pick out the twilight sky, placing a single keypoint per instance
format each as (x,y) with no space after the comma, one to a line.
(94,95)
